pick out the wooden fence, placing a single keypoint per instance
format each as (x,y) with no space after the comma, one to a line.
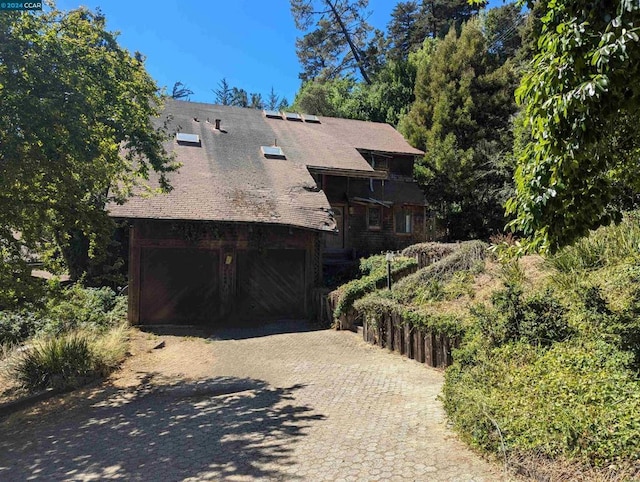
(393,333)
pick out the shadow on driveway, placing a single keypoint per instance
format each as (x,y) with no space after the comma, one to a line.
(234,329)
(161,430)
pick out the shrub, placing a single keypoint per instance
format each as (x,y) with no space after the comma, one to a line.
(85,308)
(605,246)
(432,251)
(468,257)
(376,278)
(17,326)
(60,362)
(576,400)
(69,360)
(537,319)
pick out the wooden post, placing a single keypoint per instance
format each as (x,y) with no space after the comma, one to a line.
(408,340)
(389,333)
(430,357)
(398,335)
(418,346)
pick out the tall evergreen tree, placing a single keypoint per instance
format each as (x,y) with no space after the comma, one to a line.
(272,100)
(256,101)
(239,97)
(462,119)
(403,30)
(224,93)
(438,16)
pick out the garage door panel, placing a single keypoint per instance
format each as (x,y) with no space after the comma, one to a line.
(271,283)
(178,286)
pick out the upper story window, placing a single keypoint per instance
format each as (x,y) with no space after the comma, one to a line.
(403,221)
(380,164)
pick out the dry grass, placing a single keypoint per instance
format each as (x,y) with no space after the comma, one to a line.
(544,470)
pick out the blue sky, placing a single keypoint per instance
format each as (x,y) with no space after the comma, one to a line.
(251,43)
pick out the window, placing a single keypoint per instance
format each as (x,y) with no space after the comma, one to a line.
(311,118)
(404,222)
(374,217)
(293,116)
(381,164)
(190,139)
(272,152)
(272,114)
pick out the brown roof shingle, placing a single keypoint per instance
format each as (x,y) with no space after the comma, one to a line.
(228,178)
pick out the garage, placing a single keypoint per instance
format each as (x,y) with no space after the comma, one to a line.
(179,286)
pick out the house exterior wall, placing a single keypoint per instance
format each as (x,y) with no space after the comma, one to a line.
(401,194)
(227,243)
(370,241)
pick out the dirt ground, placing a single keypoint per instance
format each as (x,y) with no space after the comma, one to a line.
(142,360)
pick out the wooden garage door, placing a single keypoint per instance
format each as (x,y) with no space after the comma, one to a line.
(271,283)
(178,286)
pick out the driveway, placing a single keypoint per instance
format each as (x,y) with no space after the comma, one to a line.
(253,404)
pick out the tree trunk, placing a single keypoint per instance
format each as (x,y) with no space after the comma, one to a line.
(354,50)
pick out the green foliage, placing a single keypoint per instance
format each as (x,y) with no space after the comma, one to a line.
(85,308)
(581,100)
(69,309)
(55,362)
(337,39)
(576,400)
(17,326)
(374,306)
(467,257)
(553,371)
(375,277)
(461,118)
(75,134)
(431,250)
(415,298)
(538,319)
(606,246)
(70,359)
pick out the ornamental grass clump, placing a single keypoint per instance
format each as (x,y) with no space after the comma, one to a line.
(70,359)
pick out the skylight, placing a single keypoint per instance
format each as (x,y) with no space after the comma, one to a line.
(293,116)
(192,139)
(311,118)
(272,114)
(272,152)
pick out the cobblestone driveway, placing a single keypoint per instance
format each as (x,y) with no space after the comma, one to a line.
(316,405)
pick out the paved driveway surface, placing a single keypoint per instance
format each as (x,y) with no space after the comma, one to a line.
(316,405)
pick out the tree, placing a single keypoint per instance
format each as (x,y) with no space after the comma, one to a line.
(239,97)
(581,99)
(461,118)
(180,91)
(284,104)
(75,134)
(403,30)
(273,100)
(224,93)
(504,30)
(337,43)
(438,16)
(256,101)
(322,98)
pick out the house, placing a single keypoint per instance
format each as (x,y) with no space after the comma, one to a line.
(259,198)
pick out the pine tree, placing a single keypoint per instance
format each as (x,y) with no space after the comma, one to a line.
(224,93)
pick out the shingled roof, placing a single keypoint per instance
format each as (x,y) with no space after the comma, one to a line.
(227,178)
